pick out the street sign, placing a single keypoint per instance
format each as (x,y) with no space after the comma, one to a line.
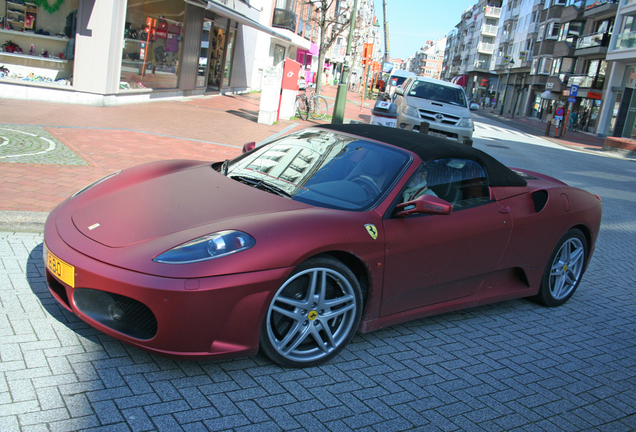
(572,99)
(559,113)
(574,90)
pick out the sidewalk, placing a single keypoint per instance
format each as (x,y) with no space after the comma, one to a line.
(48,151)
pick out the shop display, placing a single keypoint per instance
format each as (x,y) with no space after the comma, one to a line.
(20,15)
(150,57)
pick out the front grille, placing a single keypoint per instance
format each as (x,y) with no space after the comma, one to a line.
(431,116)
(120,313)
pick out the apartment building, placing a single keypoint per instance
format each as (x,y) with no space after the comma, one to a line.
(468,60)
(428,60)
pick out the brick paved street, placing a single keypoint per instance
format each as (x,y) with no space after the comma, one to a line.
(513,365)
(509,366)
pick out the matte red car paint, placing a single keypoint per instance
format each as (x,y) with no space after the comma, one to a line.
(222,317)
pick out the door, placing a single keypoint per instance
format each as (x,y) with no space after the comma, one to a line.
(432,259)
(217,57)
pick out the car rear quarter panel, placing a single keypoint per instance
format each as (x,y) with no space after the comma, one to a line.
(535,234)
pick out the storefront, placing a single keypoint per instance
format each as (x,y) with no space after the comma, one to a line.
(122,51)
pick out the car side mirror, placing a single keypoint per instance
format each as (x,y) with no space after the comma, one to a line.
(426,204)
(399,90)
(249,146)
(474,107)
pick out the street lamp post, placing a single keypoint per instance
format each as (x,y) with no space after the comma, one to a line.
(341,96)
(505,91)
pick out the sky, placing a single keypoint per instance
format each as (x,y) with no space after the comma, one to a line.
(413,22)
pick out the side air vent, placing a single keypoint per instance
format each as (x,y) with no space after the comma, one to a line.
(539,198)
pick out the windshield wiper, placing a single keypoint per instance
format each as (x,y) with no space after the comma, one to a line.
(224,167)
(260,184)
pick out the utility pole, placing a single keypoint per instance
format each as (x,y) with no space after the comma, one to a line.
(386,33)
(341,96)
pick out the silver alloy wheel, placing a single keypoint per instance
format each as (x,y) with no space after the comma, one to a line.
(567,268)
(311,315)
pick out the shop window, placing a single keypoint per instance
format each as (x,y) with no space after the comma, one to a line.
(152,45)
(37,45)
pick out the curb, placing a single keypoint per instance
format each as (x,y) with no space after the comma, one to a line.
(22,221)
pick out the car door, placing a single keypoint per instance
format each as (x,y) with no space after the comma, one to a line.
(432,259)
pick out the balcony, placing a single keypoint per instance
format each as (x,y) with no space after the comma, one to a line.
(626,40)
(586,81)
(486,48)
(601,9)
(505,38)
(284,19)
(482,64)
(595,43)
(489,30)
(492,12)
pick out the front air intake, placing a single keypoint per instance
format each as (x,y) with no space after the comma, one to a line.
(120,313)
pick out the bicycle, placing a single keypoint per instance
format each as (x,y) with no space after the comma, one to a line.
(313,104)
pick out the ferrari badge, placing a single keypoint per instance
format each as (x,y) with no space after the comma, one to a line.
(373,232)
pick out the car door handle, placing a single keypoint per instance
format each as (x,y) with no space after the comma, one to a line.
(504,210)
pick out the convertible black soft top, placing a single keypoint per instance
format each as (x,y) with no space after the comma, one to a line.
(429,147)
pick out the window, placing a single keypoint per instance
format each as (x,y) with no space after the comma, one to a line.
(461,182)
(541,32)
(570,32)
(152,45)
(545,66)
(553,31)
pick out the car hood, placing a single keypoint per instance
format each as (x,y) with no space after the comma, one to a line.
(156,203)
(436,106)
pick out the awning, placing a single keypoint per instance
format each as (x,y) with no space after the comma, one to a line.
(236,16)
(549,95)
(460,80)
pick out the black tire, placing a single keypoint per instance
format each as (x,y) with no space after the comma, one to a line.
(301,108)
(565,269)
(319,107)
(313,315)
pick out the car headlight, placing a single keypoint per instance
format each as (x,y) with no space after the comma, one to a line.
(95,183)
(410,111)
(216,245)
(465,123)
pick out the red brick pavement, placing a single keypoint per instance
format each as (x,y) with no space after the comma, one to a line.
(113,138)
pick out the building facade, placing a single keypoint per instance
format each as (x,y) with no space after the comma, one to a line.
(109,52)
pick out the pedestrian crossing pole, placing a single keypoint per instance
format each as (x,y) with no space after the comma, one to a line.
(341,96)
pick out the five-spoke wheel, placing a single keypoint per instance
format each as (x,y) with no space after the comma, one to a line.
(565,269)
(313,315)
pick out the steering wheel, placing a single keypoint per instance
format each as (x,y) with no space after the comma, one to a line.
(368,184)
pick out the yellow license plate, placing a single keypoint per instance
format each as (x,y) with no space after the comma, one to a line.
(60,269)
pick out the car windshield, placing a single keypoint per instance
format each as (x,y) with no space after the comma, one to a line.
(322,168)
(438,92)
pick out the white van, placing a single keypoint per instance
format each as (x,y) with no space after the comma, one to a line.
(396,80)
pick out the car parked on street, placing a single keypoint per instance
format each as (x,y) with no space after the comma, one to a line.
(297,244)
(441,106)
